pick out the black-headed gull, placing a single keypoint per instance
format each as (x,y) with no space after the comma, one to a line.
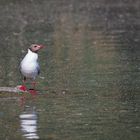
(29,66)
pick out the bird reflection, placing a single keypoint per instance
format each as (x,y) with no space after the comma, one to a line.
(28,122)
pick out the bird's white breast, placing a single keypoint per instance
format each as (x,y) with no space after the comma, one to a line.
(29,65)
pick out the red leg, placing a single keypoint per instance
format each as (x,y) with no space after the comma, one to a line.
(33,91)
(23,87)
(34,84)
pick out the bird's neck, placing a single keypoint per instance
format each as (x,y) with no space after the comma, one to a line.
(32,50)
(32,55)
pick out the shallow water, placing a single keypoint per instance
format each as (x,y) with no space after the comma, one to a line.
(90,71)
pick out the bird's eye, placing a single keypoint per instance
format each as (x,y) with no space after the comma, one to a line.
(35,46)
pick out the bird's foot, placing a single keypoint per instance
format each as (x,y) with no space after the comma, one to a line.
(22,88)
(34,84)
(32,91)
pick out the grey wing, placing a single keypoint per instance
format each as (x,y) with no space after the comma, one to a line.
(38,69)
(19,67)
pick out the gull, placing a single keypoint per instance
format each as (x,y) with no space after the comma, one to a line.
(29,66)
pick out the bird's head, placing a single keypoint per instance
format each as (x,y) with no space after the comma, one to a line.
(35,47)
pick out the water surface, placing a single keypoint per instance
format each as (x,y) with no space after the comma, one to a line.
(90,71)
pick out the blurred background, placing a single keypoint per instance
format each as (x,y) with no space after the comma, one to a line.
(90,68)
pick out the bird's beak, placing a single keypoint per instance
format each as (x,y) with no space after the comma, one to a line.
(41,46)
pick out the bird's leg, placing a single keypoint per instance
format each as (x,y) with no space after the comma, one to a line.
(34,84)
(23,87)
(33,90)
(24,80)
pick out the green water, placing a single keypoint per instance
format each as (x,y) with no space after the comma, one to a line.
(90,71)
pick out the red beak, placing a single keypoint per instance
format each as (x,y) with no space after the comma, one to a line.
(41,46)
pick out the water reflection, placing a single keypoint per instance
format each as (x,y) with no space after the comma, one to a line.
(28,123)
